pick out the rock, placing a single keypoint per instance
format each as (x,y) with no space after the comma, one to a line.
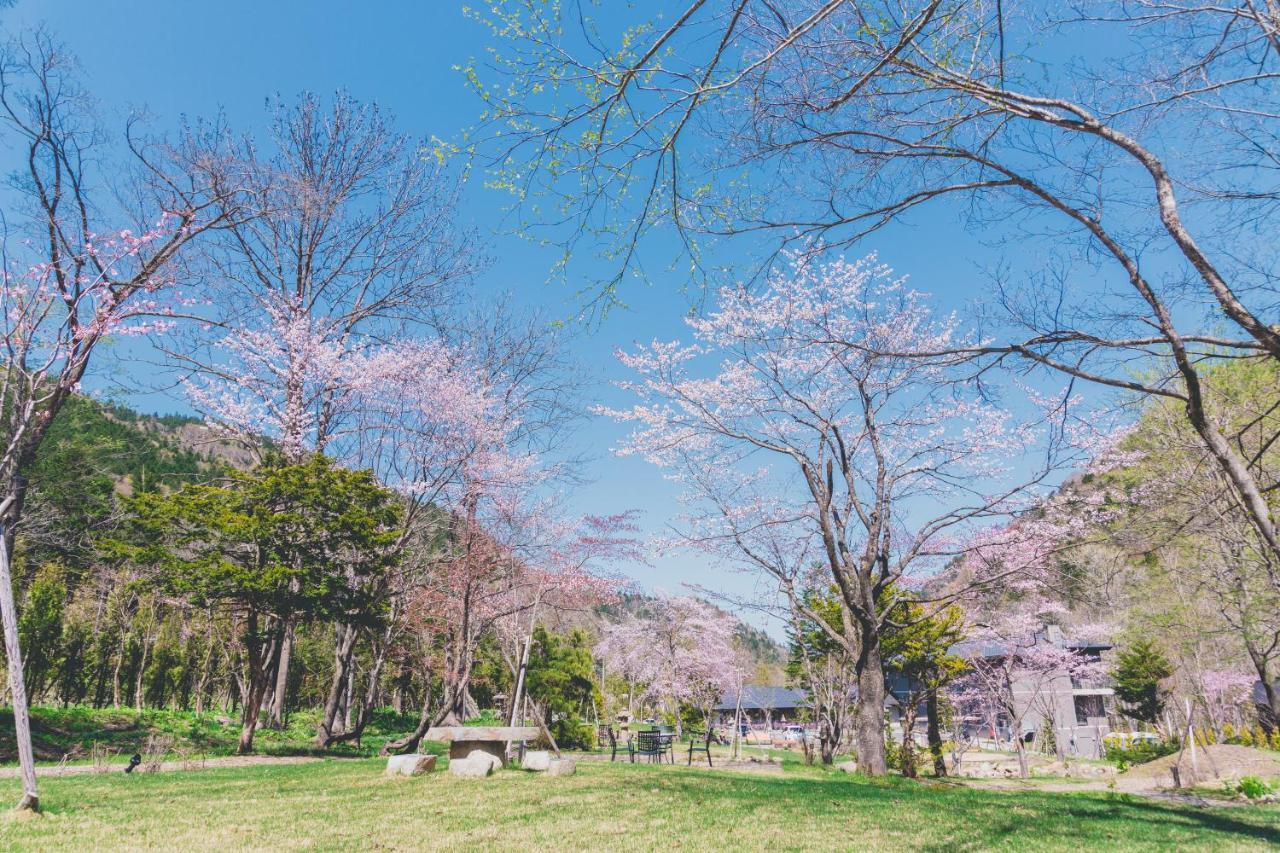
(487,758)
(538,759)
(413,764)
(467,768)
(847,767)
(562,767)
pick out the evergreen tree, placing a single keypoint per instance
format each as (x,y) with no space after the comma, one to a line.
(1138,673)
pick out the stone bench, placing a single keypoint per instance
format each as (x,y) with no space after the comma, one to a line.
(491,740)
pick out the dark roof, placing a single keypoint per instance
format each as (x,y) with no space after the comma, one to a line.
(969,649)
(757,697)
(1260,693)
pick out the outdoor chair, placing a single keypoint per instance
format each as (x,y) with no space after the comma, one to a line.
(667,746)
(646,744)
(608,738)
(701,742)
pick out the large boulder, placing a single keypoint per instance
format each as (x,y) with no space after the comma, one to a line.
(562,767)
(537,759)
(470,768)
(412,764)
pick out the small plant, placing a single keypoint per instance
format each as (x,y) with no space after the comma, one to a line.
(1252,787)
(487,717)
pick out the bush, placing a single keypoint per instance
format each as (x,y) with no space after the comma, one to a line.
(487,717)
(1138,752)
(1252,787)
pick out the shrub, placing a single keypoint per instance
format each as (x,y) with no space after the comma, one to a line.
(487,717)
(1253,787)
(1138,752)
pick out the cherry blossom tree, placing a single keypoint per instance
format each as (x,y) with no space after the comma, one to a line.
(72,285)
(681,652)
(1014,669)
(759,119)
(806,425)
(353,240)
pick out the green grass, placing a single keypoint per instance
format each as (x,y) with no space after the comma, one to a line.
(349,804)
(72,731)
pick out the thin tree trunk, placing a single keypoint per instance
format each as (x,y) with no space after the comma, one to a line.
(935,733)
(908,740)
(260,668)
(425,722)
(138,679)
(276,718)
(346,643)
(18,692)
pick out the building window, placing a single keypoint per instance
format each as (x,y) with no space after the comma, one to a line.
(1088,706)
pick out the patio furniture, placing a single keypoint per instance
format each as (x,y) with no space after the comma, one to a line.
(667,745)
(646,744)
(701,742)
(606,737)
(464,740)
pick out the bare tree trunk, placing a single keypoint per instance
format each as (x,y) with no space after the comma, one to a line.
(868,720)
(425,722)
(259,681)
(203,681)
(908,740)
(138,679)
(348,697)
(935,733)
(346,643)
(276,718)
(17,686)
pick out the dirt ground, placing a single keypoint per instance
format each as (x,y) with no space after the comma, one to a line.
(1214,764)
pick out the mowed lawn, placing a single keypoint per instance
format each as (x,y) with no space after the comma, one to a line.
(348,804)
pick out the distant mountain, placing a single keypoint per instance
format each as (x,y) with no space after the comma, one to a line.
(767,654)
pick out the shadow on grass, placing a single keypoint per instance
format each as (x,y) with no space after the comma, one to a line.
(957,818)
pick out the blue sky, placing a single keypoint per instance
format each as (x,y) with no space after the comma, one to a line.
(179,58)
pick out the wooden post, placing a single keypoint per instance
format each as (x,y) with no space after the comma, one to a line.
(1191,738)
(17,686)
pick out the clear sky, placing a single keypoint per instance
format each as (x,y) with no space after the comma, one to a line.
(177,57)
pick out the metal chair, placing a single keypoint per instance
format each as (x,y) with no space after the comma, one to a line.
(646,744)
(667,746)
(701,742)
(612,742)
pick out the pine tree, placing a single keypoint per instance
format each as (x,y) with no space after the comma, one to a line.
(1138,673)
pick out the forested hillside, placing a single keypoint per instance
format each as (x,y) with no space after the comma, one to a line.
(101,631)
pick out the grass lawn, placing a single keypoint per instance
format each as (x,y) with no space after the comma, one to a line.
(72,731)
(348,804)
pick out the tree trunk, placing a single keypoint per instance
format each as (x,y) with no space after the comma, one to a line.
(276,718)
(356,732)
(138,679)
(425,722)
(908,740)
(868,721)
(17,686)
(261,666)
(935,733)
(345,648)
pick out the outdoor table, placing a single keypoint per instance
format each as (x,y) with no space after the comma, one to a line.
(463,740)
